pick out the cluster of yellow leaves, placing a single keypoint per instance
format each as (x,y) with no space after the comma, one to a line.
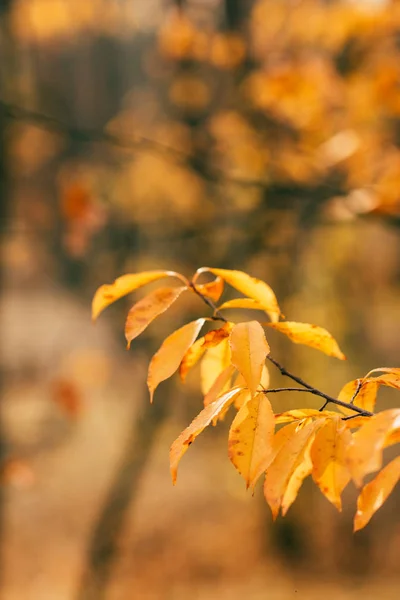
(286,447)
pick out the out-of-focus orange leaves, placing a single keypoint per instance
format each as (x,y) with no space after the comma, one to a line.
(250,286)
(228,50)
(374,493)
(365,454)
(328,455)
(17,473)
(109,293)
(68,397)
(250,438)
(290,446)
(147,309)
(310,335)
(203,419)
(249,350)
(168,358)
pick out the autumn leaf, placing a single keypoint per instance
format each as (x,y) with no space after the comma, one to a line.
(249,286)
(168,358)
(328,454)
(309,335)
(365,453)
(298,414)
(109,293)
(212,290)
(365,398)
(215,360)
(390,370)
(250,438)
(203,419)
(249,351)
(390,380)
(290,445)
(374,493)
(191,357)
(242,303)
(302,471)
(219,384)
(147,309)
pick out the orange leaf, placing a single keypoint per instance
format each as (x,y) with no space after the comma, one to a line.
(147,309)
(249,351)
(390,379)
(191,357)
(168,358)
(328,455)
(218,385)
(374,494)
(298,414)
(309,335)
(366,396)
(365,453)
(107,294)
(204,418)
(215,360)
(242,303)
(392,370)
(302,471)
(250,286)
(250,438)
(290,445)
(212,290)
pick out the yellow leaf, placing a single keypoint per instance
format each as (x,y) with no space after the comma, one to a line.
(250,286)
(290,445)
(328,454)
(107,294)
(302,471)
(147,309)
(213,289)
(196,351)
(249,351)
(215,360)
(168,358)
(242,303)
(302,413)
(309,335)
(250,438)
(392,370)
(365,453)
(219,384)
(265,378)
(191,357)
(374,494)
(243,397)
(366,396)
(390,379)
(204,418)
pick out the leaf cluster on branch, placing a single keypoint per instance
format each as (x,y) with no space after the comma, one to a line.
(333,446)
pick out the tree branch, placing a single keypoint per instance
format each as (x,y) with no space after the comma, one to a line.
(307,387)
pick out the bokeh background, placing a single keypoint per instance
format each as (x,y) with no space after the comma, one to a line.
(260,135)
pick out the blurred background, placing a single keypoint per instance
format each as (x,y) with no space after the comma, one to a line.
(260,135)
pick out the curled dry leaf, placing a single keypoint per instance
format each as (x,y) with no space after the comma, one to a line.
(365,453)
(374,494)
(249,351)
(289,447)
(250,286)
(212,290)
(365,397)
(203,419)
(328,454)
(250,438)
(147,309)
(168,358)
(310,335)
(109,293)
